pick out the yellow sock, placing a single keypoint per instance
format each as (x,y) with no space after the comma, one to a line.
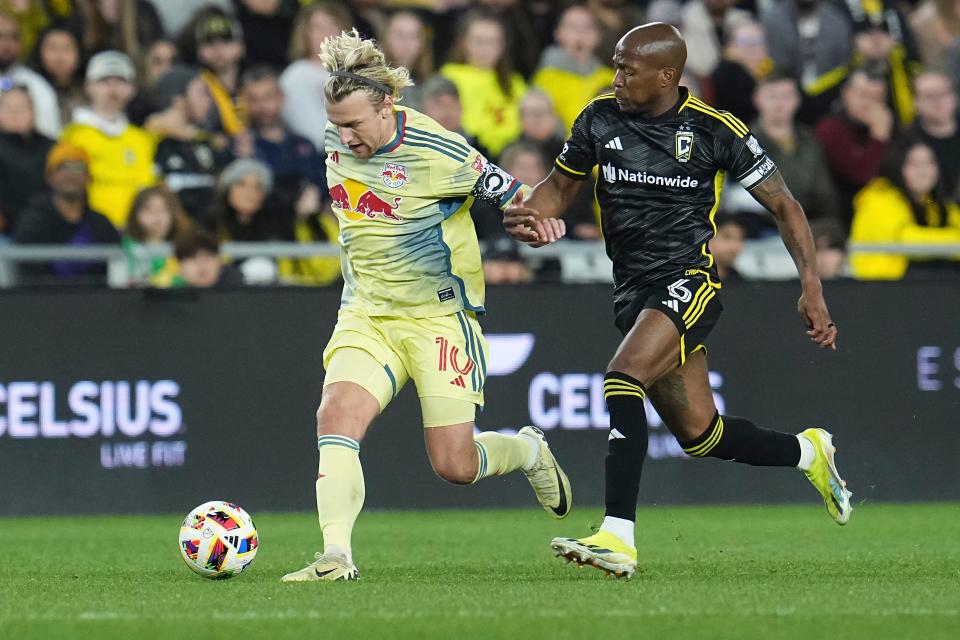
(340,491)
(500,454)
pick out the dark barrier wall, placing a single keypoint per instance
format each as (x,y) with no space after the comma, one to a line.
(156,401)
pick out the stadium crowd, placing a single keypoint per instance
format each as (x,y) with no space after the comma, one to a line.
(137,122)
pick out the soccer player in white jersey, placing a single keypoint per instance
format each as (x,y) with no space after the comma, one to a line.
(402,187)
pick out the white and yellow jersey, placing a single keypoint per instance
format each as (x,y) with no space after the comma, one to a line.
(408,244)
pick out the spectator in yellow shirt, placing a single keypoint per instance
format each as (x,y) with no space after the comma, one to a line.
(570,72)
(121,154)
(905,204)
(484,75)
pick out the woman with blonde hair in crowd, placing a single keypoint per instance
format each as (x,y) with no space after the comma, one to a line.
(303,80)
(156,218)
(407,42)
(482,70)
(906,204)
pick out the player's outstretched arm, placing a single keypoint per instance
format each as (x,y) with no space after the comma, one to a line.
(537,220)
(773,194)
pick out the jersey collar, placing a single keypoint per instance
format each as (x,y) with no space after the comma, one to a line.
(398,138)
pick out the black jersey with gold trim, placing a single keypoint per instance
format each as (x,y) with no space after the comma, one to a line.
(659,182)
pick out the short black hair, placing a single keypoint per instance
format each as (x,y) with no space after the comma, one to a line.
(439,86)
(830,231)
(191,243)
(777,75)
(724,218)
(257,73)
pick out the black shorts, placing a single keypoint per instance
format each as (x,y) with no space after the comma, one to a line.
(690,299)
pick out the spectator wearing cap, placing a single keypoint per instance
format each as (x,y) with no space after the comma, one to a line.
(883,44)
(298,171)
(46,110)
(64,216)
(198,254)
(303,80)
(121,154)
(569,71)
(220,50)
(23,156)
(245,209)
(188,157)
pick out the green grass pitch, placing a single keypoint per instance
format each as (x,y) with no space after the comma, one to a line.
(706,573)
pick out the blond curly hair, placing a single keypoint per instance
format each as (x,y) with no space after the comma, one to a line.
(350,52)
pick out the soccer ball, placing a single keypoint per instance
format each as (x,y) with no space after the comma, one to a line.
(218,540)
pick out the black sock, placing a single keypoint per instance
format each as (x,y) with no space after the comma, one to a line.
(738,439)
(627,445)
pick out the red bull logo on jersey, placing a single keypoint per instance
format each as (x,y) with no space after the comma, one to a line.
(358,202)
(394,175)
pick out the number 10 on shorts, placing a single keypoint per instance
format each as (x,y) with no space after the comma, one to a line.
(449,358)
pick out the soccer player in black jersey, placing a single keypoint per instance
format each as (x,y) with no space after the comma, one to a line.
(663,155)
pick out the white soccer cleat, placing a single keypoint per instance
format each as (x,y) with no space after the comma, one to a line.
(548,480)
(327,566)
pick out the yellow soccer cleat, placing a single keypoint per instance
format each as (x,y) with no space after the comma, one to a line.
(327,566)
(825,477)
(548,480)
(602,550)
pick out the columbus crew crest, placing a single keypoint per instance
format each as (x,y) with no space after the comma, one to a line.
(684,144)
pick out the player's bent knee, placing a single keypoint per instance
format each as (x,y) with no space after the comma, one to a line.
(687,432)
(690,429)
(336,417)
(455,471)
(634,367)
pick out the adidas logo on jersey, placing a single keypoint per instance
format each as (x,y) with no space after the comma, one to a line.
(672,304)
(614,144)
